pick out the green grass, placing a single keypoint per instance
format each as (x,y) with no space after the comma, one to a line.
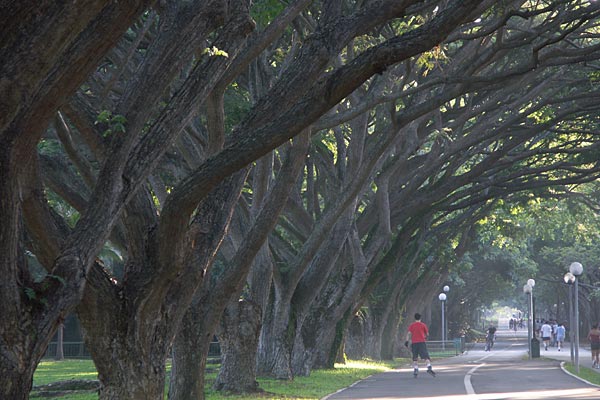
(585,373)
(52,371)
(319,384)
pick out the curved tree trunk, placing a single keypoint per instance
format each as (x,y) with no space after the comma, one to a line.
(238,334)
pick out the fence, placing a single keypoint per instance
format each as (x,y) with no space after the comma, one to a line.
(70,350)
(446,348)
(78,350)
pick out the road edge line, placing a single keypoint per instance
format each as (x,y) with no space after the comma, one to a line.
(467,381)
(348,387)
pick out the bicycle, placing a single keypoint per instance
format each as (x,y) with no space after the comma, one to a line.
(489,342)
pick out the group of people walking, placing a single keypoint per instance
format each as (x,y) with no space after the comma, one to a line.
(515,323)
(552,333)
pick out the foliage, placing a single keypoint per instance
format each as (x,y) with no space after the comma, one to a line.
(264,11)
(49,146)
(69,214)
(114,123)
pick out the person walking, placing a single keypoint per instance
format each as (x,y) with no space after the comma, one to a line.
(546,332)
(554,326)
(417,336)
(594,338)
(560,335)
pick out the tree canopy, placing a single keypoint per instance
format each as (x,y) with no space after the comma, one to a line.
(161,161)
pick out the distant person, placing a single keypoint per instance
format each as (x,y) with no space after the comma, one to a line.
(417,335)
(554,327)
(490,336)
(594,338)
(546,332)
(560,335)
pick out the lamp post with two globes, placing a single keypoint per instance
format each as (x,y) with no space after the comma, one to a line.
(575,270)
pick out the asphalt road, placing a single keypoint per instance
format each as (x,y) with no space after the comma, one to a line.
(503,373)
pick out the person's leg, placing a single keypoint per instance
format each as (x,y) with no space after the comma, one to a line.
(425,356)
(415,356)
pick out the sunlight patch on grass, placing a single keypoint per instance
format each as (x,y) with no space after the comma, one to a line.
(53,371)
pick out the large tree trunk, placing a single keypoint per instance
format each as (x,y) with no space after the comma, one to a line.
(373,336)
(138,325)
(190,349)
(355,338)
(127,350)
(274,349)
(390,332)
(238,334)
(315,346)
(216,293)
(137,377)
(16,364)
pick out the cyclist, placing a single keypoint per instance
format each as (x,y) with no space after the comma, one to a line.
(490,336)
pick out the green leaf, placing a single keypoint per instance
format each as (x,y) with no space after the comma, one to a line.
(103,117)
(30,293)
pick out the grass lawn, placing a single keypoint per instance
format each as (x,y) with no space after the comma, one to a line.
(585,373)
(319,384)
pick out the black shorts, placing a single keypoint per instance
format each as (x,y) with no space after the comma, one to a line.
(546,338)
(595,346)
(419,350)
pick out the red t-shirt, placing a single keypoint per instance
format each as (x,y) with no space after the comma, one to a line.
(418,331)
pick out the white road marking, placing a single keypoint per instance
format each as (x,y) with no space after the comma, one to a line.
(468,385)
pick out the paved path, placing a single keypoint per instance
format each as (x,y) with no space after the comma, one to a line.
(503,373)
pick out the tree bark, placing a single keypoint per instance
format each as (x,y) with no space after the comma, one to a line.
(355,338)
(274,349)
(238,334)
(190,350)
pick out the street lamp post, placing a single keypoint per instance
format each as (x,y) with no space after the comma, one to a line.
(527,289)
(575,269)
(446,289)
(531,282)
(569,278)
(442,298)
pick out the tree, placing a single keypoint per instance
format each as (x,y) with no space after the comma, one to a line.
(163,233)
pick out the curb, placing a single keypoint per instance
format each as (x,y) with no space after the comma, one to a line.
(347,387)
(562,366)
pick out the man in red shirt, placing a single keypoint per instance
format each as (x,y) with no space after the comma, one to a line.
(417,335)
